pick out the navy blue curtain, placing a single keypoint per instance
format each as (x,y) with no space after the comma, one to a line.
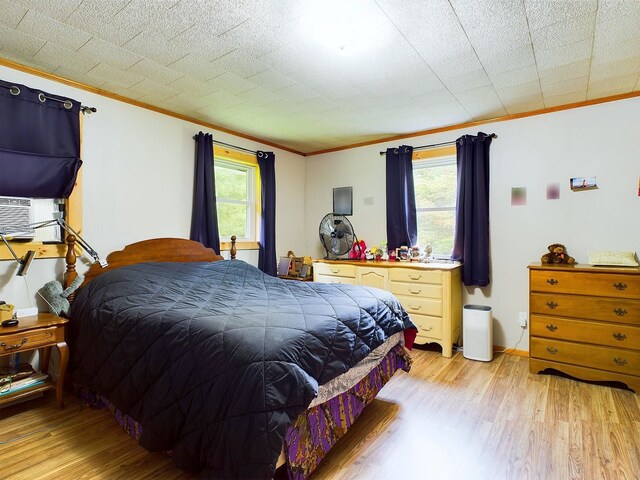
(267,254)
(402,226)
(471,242)
(39,143)
(204,219)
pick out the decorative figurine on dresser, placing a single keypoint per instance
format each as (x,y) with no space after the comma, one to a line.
(585,321)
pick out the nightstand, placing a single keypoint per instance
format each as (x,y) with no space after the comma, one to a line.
(40,332)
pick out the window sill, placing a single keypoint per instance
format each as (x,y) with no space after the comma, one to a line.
(226,246)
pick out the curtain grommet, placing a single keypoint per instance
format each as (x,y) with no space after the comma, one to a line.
(13,90)
(68,104)
(41,97)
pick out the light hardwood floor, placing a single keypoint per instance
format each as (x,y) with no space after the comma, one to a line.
(447,419)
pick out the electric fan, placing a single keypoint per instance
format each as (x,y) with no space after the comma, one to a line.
(336,235)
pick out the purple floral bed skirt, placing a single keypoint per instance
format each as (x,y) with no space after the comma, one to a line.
(315,431)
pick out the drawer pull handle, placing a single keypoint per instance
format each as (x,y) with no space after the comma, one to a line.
(620,312)
(552,350)
(415,308)
(619,336)
(551,327)
(427,329)
(14,346)
(619,361)
(552,305)
(415,292)
(552,281)
(620,286)
(335,270)
(415,277)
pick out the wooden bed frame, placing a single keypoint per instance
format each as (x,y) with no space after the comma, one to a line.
(154,250)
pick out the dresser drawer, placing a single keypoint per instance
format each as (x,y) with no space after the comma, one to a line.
(602,358)
(411,275)
(428,326)
(608,334)
(592,308)
(335,279)
(333,269)
(422,306)
(416,290)
(586,283)
(27,340)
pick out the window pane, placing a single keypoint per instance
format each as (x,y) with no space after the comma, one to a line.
(231,183)
(435,186)
(437,228)
(232,220)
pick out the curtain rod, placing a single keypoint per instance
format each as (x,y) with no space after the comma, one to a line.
(68,104)
(453,142)
(217,142)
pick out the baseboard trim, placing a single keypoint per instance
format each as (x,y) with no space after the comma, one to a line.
(511,351)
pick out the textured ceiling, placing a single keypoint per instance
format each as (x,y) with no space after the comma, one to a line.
(318,75)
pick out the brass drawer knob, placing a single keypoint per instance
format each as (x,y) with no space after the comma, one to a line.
(620,312)
(14,346)
(620,286)
(551,327)
(552,350)
(552,281)
(552,305)
(619,336)
(415,292)
(415,277)
(619,361)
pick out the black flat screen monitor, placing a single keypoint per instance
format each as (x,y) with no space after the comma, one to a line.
(343,200)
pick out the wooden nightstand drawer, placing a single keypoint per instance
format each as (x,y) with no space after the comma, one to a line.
(335,270)
(618,310)
(610,334)
(416,290)
(415,275)
(27,340)
(602,358)
(583,283)
(422,306)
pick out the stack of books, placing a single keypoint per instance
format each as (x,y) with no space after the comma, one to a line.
(19,381)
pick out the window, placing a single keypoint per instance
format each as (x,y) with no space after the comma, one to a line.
(435,182)
(236,199)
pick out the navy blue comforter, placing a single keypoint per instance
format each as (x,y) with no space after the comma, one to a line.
(215,360)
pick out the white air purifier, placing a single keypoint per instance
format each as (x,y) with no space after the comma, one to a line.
(477,333)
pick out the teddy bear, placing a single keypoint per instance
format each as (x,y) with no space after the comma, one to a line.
(57,297)
(557,254)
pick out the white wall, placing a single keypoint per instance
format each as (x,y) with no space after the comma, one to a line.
(599,140)
(138,183)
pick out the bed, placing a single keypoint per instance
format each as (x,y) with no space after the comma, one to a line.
(233,372)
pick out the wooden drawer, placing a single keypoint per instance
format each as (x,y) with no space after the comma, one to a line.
(415,276)
(416,290)
(336,270)
(603,358)
(422,306)
(592,308)
(27,340)
(586,283)
(610,334)
(428,326)
(334,279)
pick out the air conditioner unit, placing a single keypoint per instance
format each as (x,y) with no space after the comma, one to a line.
(15,214)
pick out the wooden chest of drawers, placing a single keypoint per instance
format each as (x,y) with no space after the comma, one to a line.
(585,322)
(430,293)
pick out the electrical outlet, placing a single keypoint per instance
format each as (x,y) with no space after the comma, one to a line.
(522,319)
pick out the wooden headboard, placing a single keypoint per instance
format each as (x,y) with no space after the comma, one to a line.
(154,250)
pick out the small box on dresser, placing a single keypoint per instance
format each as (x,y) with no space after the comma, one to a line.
(585,322)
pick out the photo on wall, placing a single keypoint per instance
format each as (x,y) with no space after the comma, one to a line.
(553,191)
(583,183)
(518,196)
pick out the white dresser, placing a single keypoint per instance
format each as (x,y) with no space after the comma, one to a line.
(431,293)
